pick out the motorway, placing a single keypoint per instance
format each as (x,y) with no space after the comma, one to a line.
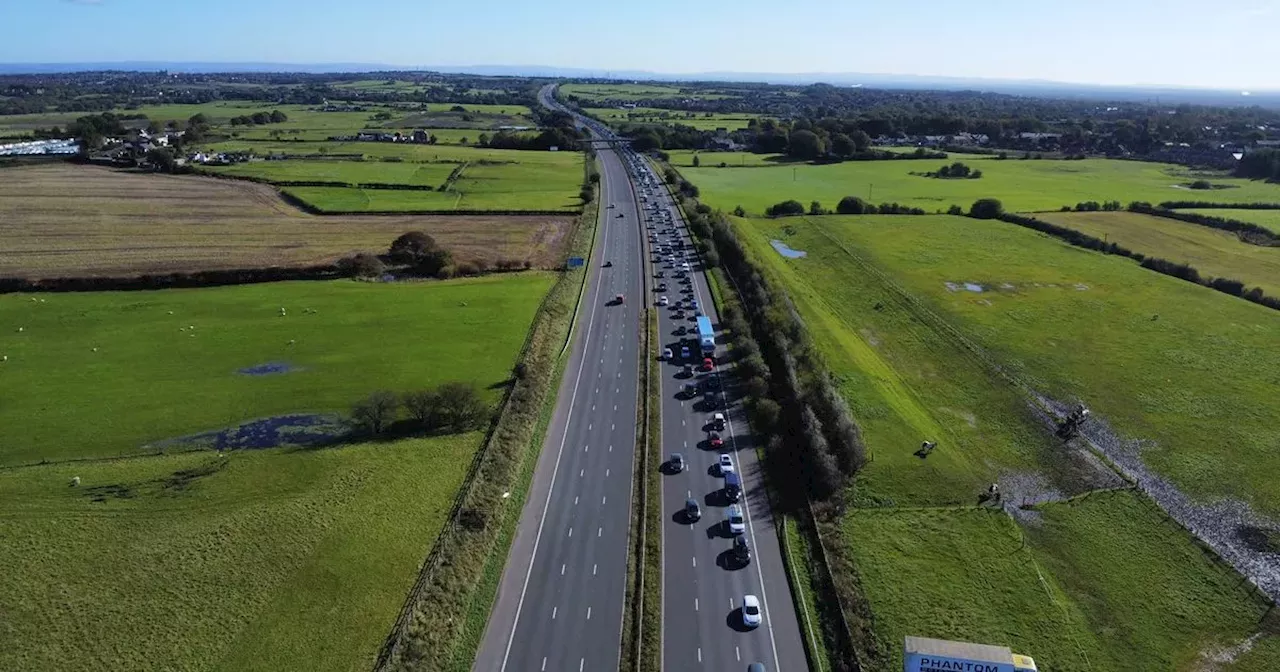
(703,585)
(560,601)
(559,604)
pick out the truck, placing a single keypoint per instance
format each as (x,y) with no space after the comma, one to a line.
(922,654)
(706,335)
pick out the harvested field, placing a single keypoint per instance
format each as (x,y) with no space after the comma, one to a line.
(60,220)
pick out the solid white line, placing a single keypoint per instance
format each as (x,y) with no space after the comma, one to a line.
(594,299)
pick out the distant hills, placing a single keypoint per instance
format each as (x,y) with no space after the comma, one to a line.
(1153,93)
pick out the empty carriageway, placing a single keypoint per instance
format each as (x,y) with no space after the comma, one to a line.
(560,601)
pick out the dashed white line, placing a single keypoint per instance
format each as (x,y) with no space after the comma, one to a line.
(588,613)
(562,566)
(606,471)
(593,569)
(737,653)
(699,656)
(582,472)
(554,611)
(695,561)
(603,500)
(544,664)
(575,500)
(581,663)
(599,532)
(695,604)
(571,531)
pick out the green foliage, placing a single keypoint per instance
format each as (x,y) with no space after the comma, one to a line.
(986,208)
(785,209)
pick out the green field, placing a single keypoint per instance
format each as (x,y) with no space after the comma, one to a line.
(1266,218)
(352,172)
(262,560)
(1072,587)
(707,121)
(1187,368)
(157,375)
(598,92)
(1022,185)
(1215,253)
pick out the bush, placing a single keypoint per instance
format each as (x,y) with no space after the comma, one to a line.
(1200,184)
(785,209)
(957,210)
(852,205)
(739,212)
(815,208)
(375,413)
(986,208)
(362,265)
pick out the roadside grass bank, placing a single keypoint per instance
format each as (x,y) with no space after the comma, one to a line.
(448,616)
(642,616)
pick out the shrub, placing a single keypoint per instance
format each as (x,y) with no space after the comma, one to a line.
(852,205)
(739,212)
(986,208)
(374,413)
(1200,184)
(957,210)
(785,209)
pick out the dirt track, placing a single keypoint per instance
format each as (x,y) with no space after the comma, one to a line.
(61,219)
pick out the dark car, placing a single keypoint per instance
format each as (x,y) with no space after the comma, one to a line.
(691,510)
(677,462)
(756,667)
(741,550)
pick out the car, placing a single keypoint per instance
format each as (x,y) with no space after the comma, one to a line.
(689,389)
(741,550)
(688,370)
(681,330)
(715,440)
(662,301)
(726,463)
(677,462)
(679,314)
(713,382)
(708,365)
(736,523)
(751,611)
(692,512)
(717,421)
(666,354)
(693,303)
(618,299)
(608,264)
(684,352)
(611,206)
(659,274)
(756,667)
(620,215)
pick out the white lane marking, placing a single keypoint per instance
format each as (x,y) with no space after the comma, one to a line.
(689,494)
(683,423)
(575,500)
(603,500)
(571,531)
(599,532)
(695,561)
(737,653)
(695,604)
(590,426)
(586,449)
(612,427)
(554,610)
(615,408)
(562,570)
(611,449)
(582,472)
(588,613)
(593,407)
(581,663)
(731,603)
(699,656)
(544,664)
(593,569)
(606,473)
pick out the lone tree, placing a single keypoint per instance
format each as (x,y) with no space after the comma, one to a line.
(852,205)
(986,208)
(419,250)
(785,209)
(375,412)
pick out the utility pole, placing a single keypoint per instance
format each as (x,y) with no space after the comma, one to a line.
(793,173)
(870,186)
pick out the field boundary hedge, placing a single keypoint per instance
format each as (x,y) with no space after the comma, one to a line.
(1182,205)
(176,280)
(1247,232)
(1170,268)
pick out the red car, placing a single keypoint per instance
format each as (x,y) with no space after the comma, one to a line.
(715,440)
(707,364)
(618,300)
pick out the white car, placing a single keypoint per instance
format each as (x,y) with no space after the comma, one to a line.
(751,611)
(725,464)
(666,354)
(737,524)
(663,301)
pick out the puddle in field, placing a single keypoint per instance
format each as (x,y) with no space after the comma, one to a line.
(966,286)
(304,429)
(268,369)
(786,251)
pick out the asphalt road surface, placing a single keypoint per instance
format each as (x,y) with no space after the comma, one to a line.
(703,585)
(559,604)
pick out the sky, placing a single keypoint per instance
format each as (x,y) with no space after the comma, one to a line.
(1227,44)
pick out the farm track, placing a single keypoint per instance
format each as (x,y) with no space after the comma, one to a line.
(1215,524)
(63,220)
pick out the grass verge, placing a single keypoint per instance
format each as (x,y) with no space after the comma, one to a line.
(447,616)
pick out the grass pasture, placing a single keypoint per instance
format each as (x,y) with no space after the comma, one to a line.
(1212,252)
(1180,365)
(168,362)
(1265,218)
(60,220)
(263,560)
(707,121)
(1022,185)
(1070,586)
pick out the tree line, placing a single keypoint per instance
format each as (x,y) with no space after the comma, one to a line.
(260,118)
(451,407)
